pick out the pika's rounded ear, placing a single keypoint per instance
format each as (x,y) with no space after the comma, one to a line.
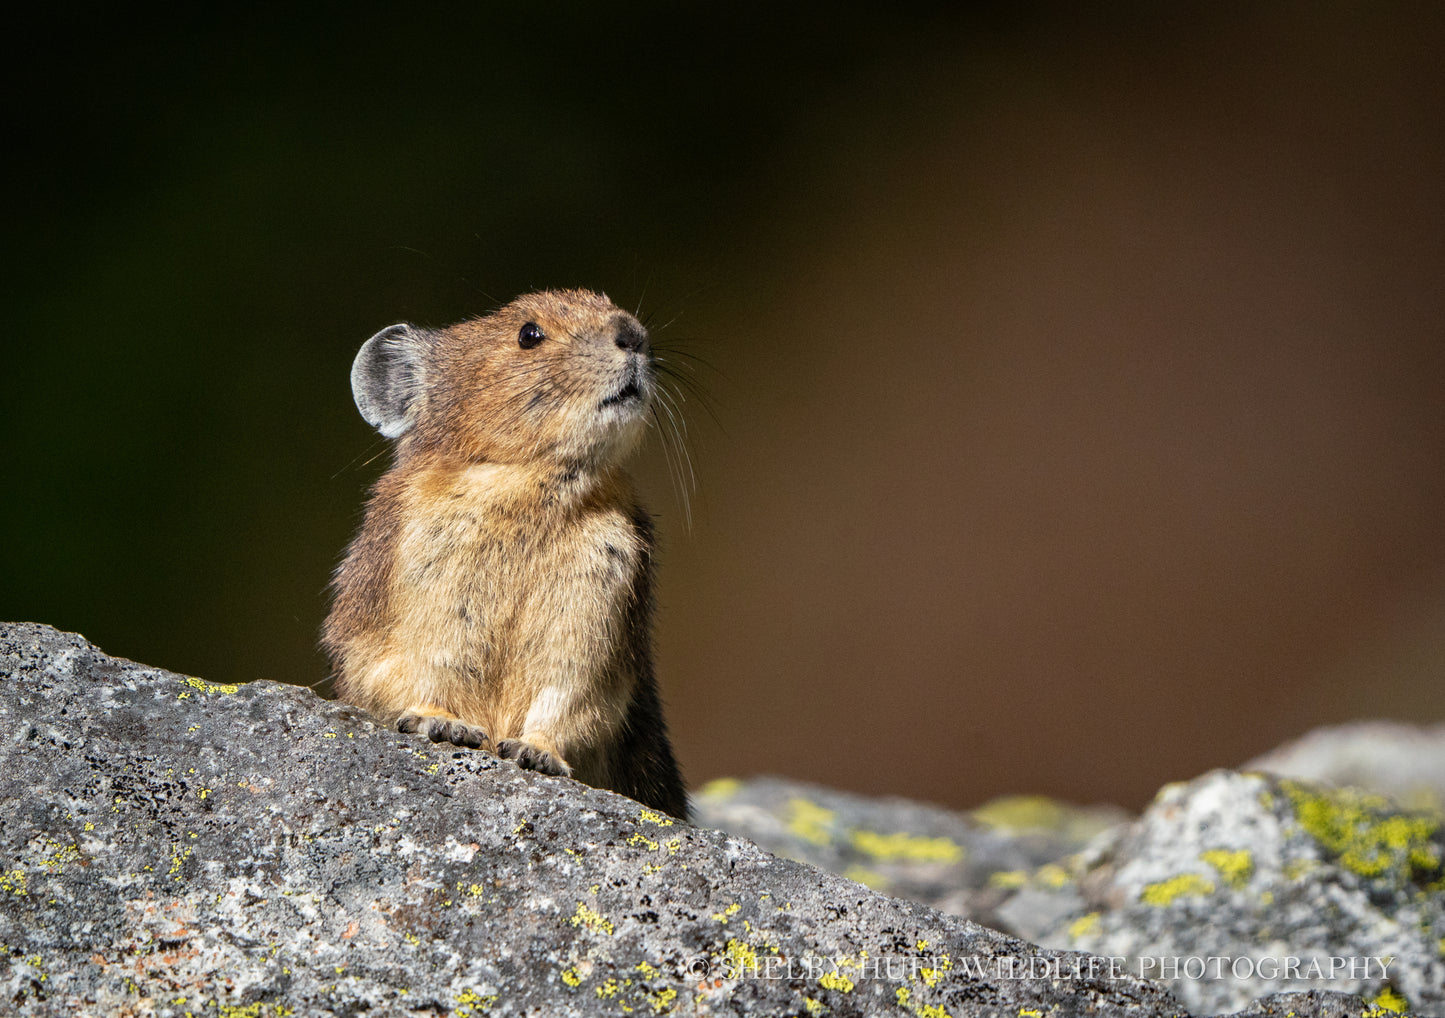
(386,376)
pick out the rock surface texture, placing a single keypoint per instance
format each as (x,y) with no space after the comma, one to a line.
(1289,885)
(1229,887)
(1405,762)
(174,847)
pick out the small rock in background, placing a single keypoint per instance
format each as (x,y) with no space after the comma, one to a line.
(963,863)
(1405,762)
(1214,889)
(1236,885)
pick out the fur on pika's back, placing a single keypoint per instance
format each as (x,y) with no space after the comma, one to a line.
(499,592)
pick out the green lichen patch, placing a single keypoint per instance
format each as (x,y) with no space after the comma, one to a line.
(1367,834)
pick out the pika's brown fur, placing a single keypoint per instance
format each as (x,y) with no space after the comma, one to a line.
(499,593)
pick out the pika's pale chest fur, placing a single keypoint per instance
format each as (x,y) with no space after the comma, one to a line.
(499,592)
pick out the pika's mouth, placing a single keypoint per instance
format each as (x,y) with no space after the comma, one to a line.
(622,395)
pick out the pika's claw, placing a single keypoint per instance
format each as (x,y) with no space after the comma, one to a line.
(443,729)
(530,758)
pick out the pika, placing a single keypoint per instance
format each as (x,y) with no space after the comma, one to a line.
(499,593)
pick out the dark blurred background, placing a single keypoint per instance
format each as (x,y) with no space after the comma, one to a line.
(1079,379)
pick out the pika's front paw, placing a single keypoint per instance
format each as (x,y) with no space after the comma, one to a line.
(443,729)
(531,758)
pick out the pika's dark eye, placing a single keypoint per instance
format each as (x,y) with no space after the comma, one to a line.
(530,336)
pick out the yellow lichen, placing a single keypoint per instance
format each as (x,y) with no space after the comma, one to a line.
(236,1011)
(904,996)
(1008,879)
(905,847)
(1052,876)
(1022,813)
(591,919)
(177,859)
(660,819)
(1235,868)
(1366,833)
(570,977)
(663,1000)
(810,821)
(14,881)
(741,959)
(1390,1001)
(470,1001)
(835,981)
(721,788)
(209,687)
(641,839)
(1166,892)
(727,913)
(933,976)
(1084,925)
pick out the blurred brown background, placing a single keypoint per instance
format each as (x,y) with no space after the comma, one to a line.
(1079,381)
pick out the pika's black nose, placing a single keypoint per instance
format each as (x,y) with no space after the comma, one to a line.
(631,336)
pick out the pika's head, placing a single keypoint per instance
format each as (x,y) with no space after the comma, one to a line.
(561,375)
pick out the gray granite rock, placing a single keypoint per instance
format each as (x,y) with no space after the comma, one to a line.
(1403,761)
(1236,885)
(963,863)
(1316,1003)
(173,847)
(1214,890)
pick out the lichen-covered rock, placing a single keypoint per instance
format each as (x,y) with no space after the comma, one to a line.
(172,847)
(1216,889)
(964,863)
(1236,885)
(1405,762)
(1317,1004)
